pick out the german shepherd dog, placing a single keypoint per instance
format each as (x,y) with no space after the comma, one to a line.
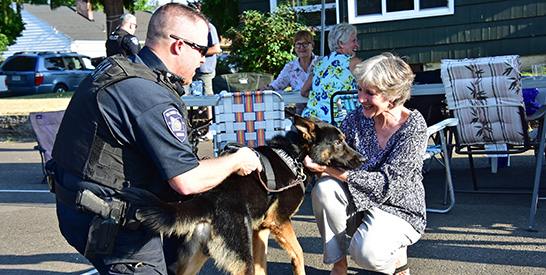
(231,222)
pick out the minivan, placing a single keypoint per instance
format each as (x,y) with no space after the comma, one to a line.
(45,72)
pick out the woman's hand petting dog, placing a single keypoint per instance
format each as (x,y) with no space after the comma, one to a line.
(324,170)
(248,161)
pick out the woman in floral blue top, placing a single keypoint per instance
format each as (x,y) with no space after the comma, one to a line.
(382,204)
(332,73)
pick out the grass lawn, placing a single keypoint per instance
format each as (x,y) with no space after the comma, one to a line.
(23,105)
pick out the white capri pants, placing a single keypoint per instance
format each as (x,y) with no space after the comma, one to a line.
(378,239)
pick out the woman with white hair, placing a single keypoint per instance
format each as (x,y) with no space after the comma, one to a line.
(381,204)
(332,73)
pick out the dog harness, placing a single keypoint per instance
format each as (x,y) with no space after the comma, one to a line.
(294,166)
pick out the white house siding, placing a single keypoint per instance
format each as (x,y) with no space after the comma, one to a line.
(38,36)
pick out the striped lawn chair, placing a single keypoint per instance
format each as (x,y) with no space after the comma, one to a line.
(248,118)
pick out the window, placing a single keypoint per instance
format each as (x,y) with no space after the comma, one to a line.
(20,63)
(54,63)
(88,64)
(366,11)
(311,10)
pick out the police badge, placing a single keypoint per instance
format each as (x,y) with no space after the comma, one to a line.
(175,123)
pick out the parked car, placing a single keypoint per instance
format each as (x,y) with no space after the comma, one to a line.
(45,72)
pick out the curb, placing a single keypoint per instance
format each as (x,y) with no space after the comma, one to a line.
(16,127)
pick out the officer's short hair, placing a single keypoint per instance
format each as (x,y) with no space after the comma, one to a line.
(161,21)
(126,19)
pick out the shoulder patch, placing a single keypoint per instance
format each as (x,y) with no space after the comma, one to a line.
(134,40)
(175,123)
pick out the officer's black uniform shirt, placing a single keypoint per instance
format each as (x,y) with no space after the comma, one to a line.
(140,113)
(120,41)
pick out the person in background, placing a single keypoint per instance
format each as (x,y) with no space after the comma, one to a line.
(207,71)
(125,126)
(382,204)
(296,72)
(123,40)
(332,73)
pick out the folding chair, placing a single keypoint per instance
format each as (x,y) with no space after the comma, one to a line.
(343,102)
(441,154)
(249,118)
(45,126)
(485,95)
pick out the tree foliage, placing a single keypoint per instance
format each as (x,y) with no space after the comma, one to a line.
(11,25)
(223,14)
(263,42)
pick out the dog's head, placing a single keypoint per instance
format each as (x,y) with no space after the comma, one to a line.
(326,144)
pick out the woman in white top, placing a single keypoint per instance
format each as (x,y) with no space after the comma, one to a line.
(296,72)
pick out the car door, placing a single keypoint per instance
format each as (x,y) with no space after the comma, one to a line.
(54,74)
(73,68)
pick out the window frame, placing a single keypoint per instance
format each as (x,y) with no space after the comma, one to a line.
(397,15)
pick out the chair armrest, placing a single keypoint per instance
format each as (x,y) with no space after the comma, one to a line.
(448,122)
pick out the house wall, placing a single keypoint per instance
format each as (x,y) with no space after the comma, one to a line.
(478,28)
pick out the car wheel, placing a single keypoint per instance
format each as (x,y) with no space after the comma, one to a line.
(60,88)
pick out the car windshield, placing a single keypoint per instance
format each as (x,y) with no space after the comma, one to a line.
(20,63)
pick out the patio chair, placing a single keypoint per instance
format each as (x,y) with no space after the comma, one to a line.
(45,126)
(485,95)
(343,102)
(249,118)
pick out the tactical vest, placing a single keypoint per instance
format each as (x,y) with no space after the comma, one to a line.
(85,144)
(113,44)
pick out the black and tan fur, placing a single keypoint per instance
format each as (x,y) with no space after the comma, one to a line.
(231,223)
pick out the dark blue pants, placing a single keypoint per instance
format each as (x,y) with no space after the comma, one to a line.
(135,251)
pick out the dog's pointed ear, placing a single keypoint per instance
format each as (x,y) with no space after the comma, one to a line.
(306,126)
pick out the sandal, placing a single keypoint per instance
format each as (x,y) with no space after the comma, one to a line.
(402,269)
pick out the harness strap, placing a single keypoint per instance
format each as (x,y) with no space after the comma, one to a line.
(269,173)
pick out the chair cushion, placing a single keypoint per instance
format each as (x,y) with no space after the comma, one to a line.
(485,94)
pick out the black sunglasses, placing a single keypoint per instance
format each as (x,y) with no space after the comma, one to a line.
(200,48)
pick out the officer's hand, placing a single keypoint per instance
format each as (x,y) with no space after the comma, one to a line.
(248,161)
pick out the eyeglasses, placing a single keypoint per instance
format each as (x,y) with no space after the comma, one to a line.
(135,25)
(200,48)
(304,44)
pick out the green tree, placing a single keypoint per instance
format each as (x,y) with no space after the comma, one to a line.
(11,25)
(263,42)
(223,14)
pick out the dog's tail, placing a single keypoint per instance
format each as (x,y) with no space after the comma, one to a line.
(179,219)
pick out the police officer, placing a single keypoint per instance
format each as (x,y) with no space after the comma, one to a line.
(123,39)
(125,126)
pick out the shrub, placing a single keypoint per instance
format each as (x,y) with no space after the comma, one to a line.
(263,42)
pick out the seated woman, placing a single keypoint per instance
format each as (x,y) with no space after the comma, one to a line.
(382,204)
(332,73)
(296,72)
